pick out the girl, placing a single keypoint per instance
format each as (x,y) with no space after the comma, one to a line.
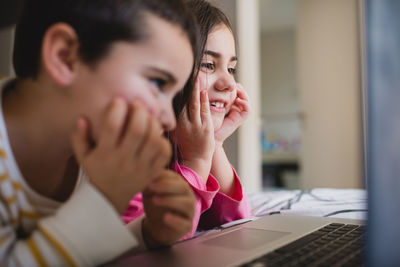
(80,128)
(217,107)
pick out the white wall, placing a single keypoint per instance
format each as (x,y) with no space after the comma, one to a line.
(248,36)
(278,64)
(329,83)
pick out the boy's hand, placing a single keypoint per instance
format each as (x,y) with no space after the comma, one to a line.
(194,134)
(169,206)
(129,153)
(239,112)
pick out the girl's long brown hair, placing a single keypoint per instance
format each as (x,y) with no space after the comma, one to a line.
(208,18)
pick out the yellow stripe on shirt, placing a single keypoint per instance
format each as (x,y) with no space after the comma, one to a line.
(36,253)
(11,200)
(58,246)
(29,214)
(16,185)
(2,153)
(3,177)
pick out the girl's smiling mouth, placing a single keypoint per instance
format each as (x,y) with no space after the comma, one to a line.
(218,105)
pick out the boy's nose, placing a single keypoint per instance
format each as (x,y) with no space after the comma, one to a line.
(167,118)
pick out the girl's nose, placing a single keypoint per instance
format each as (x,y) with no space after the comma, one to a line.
(225,82)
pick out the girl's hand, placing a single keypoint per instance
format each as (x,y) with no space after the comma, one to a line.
(194,134)
(239,112)
(169,206)
(130,152)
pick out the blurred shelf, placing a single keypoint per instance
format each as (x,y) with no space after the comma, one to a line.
(280,157)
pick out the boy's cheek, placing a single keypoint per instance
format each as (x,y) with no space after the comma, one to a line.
(148,102)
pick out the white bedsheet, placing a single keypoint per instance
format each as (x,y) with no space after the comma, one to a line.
(323,202)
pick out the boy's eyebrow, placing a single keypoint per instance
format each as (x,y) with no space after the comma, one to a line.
(170,78)
(218,55)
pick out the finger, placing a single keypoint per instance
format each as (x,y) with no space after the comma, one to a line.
(174,186)
(113,124)
(182,205)
(243,99)
(241,93)
(235,108)
(79,139)
(177,223)
(194,104)
(138,127)
(183,119)
(184,114)
(243,105)
(205,108)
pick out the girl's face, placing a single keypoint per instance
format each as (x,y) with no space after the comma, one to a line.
(217,70)
(151,71)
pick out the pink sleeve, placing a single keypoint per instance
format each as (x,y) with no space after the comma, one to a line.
(226,208)
(134,210)
(204,193)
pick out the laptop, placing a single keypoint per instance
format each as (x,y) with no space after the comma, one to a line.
(287,240)
(266,241)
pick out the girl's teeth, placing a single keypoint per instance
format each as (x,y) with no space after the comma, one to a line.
(217,104)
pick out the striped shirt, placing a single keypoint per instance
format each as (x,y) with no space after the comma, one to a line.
(37,231)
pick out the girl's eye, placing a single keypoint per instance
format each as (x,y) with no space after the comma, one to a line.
(159,83)
(207,67)
(232,71)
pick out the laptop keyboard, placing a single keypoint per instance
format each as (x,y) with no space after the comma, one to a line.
(333,245)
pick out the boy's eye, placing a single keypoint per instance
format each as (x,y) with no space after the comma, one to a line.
(159,83)
(232,71)
(207,67)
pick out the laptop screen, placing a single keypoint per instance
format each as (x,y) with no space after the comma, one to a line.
(383,130)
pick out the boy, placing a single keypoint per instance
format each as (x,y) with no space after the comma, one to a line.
(80,129)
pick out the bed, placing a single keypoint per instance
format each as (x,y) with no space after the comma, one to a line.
(323,202)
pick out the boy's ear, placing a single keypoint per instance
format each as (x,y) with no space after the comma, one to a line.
(60,47)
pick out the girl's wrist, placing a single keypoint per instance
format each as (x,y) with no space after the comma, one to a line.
(201,166)
(218,144)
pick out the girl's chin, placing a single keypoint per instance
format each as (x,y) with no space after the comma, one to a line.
(217,122)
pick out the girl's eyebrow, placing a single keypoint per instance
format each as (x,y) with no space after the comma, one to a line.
(218,55)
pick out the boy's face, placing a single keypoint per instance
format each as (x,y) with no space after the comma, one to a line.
(151,72)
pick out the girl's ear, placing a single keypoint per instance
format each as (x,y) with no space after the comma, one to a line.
(60,47)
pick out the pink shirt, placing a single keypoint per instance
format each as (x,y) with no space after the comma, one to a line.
(212,207)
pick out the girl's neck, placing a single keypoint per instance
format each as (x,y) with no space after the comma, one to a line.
(39,139)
